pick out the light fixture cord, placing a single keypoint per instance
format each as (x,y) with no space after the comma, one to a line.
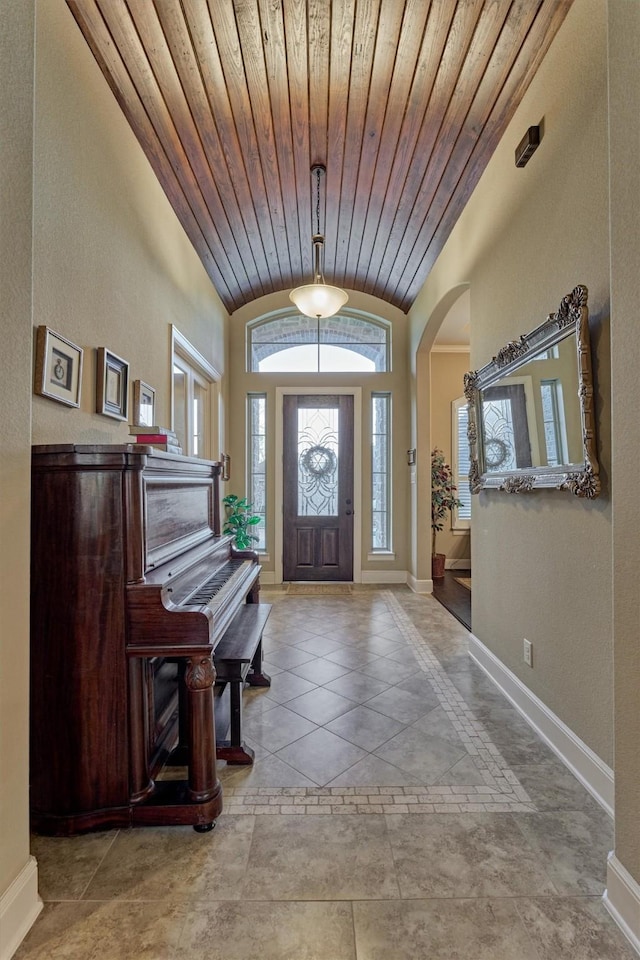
(318,239)
(318,199)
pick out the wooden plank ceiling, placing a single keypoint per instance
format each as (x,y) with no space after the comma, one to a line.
(403,101)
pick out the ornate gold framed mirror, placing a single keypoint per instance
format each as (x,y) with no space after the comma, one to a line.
(531,418)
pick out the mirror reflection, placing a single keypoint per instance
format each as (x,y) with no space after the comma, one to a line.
(532,418)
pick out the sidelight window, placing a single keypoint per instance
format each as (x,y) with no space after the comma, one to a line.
(380,472)
(257,463)
(555,430)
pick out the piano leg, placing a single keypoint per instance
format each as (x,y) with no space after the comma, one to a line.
(199,678)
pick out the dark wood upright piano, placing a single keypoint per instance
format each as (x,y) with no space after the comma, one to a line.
(132,586)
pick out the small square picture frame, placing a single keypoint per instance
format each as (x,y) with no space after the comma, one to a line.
(144,404)
(58,369)
(112,385)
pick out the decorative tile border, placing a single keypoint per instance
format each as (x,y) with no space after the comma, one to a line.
(492,765)
(500,793)
(319,801)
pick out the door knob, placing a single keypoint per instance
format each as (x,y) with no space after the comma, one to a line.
(348,512)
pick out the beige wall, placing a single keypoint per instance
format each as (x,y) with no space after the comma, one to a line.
(110,266)
(396,381)
(447,372)
(624,78)
(526,238)
(16,126)
(113,267)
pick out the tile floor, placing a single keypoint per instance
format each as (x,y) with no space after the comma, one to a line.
(398,808)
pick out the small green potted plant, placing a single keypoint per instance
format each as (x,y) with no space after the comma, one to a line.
(443,501)
(239,520)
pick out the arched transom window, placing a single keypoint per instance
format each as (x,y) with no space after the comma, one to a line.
(293,343)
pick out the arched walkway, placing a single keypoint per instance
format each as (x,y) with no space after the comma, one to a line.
(421,489)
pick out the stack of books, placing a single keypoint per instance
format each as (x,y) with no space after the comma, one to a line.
(160,437)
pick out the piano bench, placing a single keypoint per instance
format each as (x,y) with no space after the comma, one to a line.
(238,659)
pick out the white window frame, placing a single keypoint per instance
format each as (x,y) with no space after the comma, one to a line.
(459,525)
(198,371)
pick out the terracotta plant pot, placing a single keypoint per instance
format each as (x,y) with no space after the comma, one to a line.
(437,566)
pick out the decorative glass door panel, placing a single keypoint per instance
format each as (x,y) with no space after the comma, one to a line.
(318,446)
(318,488)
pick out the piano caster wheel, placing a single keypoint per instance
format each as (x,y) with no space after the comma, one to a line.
(204,827)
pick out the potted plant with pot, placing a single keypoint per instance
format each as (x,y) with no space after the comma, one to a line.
(239,521)
(443,501)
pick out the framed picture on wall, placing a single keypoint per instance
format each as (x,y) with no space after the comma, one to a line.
(112,382)
(144,404)
(58,371)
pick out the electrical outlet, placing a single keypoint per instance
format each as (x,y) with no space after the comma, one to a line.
(528,652)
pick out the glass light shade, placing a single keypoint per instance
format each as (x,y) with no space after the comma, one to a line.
(318,299)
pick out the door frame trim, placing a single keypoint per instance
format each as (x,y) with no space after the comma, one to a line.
(356,393)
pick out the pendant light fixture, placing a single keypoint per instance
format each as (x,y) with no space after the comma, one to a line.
(318,299)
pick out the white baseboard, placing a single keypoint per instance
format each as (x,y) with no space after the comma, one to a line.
(19,907)
(586,765)
(267,576)
(458,564)
(622,900)
(383,576)
(419,586)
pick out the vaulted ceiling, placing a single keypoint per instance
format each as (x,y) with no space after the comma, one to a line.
(403,101)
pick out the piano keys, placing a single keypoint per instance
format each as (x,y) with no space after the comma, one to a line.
(132,587)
